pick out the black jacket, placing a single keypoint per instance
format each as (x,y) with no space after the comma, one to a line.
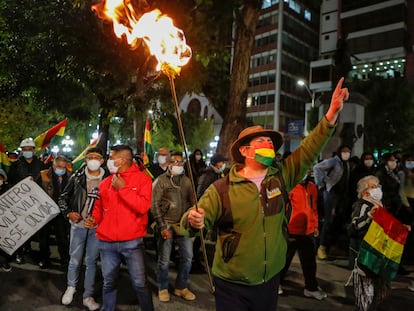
(21,169)
(74,195)
(206,179)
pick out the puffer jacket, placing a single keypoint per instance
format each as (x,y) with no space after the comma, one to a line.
(328,172)
(304,219)
(172,197)
(122,215)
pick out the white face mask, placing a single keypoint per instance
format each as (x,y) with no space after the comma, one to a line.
(198,157)
(162,159)
(177,170)
(345,156)
(409,165)
(375,193)
(223,167)
(392,165)
(110,164)
(93,165)
(369,163)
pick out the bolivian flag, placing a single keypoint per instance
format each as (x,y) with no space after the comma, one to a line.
(43,140)
(4,159)
(383,245)
(148,153)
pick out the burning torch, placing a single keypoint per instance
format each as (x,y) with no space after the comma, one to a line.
(168,45)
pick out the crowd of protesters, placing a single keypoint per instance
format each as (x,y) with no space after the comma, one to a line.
(106,211)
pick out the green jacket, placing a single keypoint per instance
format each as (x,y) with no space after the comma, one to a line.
(258,218)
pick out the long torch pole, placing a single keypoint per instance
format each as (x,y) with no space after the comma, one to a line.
(190,174)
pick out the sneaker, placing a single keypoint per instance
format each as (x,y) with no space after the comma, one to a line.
(44,264)
(68,295)
(6,267)
(163,295)
(90,303)
(411,287)
(317,294)
(280,290)
(184,293)
(322,253)
(19,259)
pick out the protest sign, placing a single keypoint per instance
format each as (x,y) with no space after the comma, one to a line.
(24,209)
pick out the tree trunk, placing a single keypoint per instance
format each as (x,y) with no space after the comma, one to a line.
(103,124)
(235,117)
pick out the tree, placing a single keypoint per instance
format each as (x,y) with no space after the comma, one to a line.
(235,118)
(389,114)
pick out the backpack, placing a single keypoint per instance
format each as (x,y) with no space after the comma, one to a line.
(224,225)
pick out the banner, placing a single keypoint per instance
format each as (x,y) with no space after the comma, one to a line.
(24,209)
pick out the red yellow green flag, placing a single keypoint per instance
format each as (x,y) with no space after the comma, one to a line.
(383,245)
(4,159)
(78,161)
(148,153)
(43,140)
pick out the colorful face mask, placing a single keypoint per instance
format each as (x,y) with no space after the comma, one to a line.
(264,153)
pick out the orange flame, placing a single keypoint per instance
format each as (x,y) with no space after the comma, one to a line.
(165,41)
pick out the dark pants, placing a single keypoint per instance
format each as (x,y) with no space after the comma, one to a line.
(305,245)
(60,227)
(335,217)
(236,297)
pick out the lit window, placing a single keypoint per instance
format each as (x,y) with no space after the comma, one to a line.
(308,15)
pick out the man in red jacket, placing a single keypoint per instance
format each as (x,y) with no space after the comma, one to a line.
(121,214)
(303,228)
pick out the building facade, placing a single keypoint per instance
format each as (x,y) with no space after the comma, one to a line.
(287,40)
(362,39)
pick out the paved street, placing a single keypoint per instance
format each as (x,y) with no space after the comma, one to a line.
(28,288)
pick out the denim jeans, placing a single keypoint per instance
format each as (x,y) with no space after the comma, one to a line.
(81,239)
(133,253)
(185,246)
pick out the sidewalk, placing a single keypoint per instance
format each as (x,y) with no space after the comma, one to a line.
(29,288)
(333,275)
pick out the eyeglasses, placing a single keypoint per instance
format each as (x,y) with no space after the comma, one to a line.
(261,140)
(177,162)
(374,187)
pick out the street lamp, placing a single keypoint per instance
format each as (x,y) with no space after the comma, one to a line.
(302,83)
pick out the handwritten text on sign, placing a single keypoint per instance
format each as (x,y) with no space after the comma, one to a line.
(24,209)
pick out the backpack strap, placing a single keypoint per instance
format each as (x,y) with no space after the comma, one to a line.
(288,203)
(225,222)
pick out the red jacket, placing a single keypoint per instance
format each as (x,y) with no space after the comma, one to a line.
(304,218)
(123,215)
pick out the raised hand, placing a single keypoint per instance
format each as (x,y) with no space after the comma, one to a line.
(339,96)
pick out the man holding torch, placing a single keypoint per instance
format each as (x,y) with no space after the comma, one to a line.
(248,209)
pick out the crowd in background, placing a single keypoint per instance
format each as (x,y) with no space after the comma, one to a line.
(318,232)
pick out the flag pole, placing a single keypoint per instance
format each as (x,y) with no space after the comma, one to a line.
(190,174)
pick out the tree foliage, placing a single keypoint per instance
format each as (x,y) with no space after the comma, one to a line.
(389,114)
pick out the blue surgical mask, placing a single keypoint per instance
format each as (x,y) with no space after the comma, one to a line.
(60,172)
(27,154)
